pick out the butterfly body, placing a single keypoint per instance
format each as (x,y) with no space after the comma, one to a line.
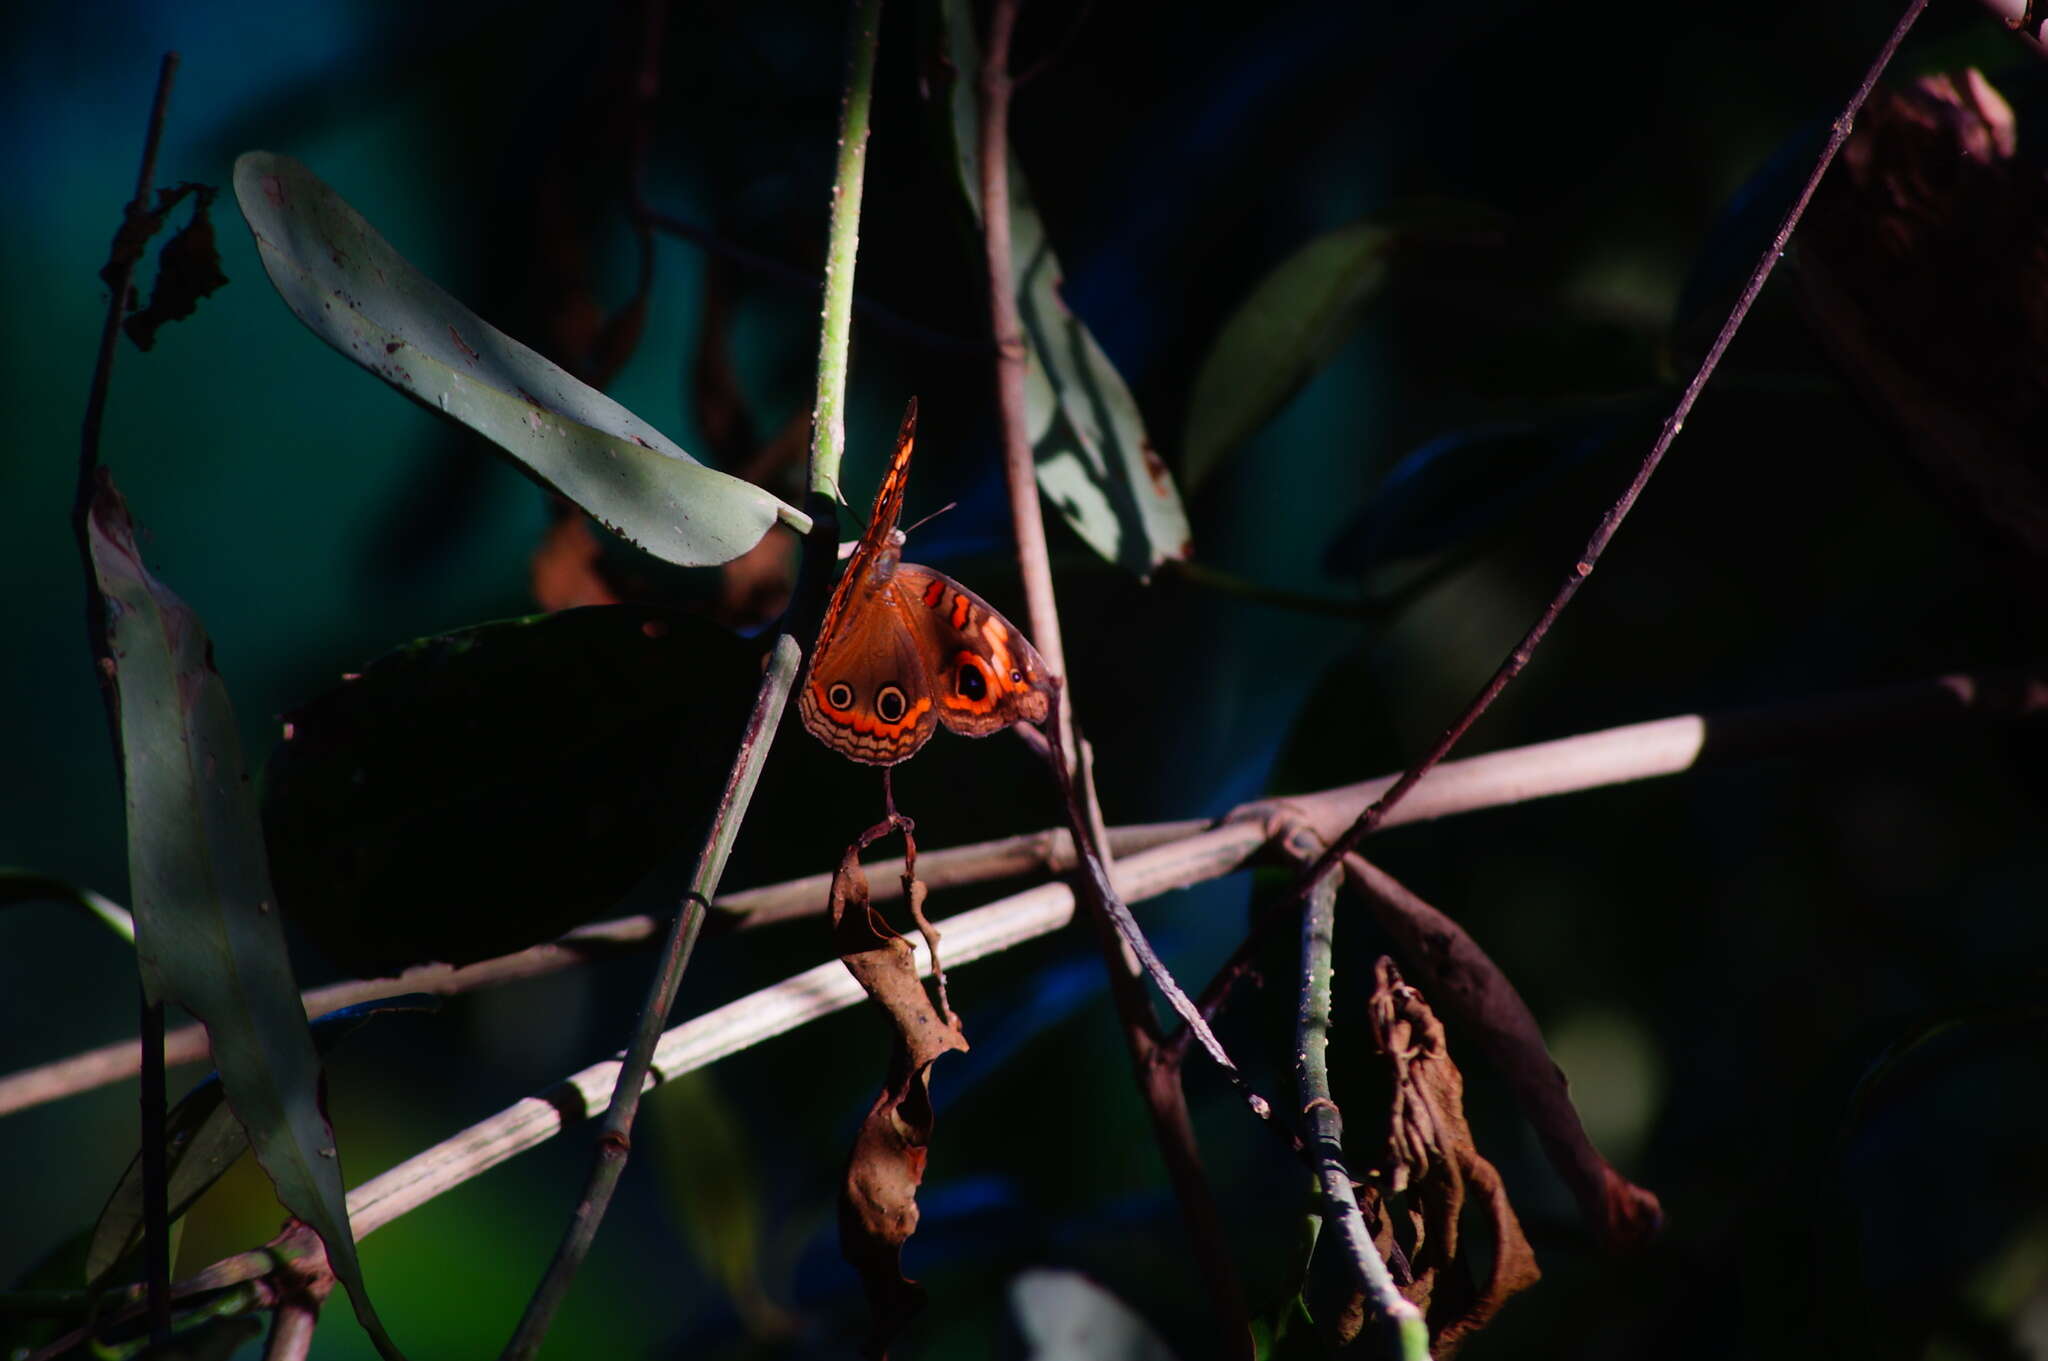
(905,650)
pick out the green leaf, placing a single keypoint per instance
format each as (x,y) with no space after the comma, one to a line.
(202,1139)
(1095,462)
(346,283)
(207,936)
(707,1167)
(1287,1334)
(539,765)
(26,886)
(1064,1316)
(1279,337)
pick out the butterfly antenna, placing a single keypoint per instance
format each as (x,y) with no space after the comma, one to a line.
(950,505)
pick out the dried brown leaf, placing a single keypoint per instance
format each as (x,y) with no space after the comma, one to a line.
(1474,992)
(1924,267)
(878,1203)
(188,267)
(1431,1156)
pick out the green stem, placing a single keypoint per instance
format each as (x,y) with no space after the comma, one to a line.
(828,412)
(614,1141)
(1323,1127)
(828,442)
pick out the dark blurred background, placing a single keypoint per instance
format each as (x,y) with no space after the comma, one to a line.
(1718,959)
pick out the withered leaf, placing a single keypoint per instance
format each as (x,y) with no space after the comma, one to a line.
(1923,265)
(1474,993)
(188,267)
(878,1202)
(1431,1157)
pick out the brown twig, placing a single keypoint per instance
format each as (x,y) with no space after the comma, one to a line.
(1471,989)
(956,866)
(1156,1069)
(1589,557)
(614,1141)
(302,1282)
(1637,751)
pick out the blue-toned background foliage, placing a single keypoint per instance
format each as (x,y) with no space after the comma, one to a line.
(1716,958)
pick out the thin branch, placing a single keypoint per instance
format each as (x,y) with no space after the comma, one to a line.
(614,1141)
(1157,1072)
(1589,557)
(1637,751)
(828,442)
(129,241)
(956,866)
(1019,468)
(742,1024)
(2027,20)
(302,1282)
(156,1174)
(1323,1125)
(1011,921)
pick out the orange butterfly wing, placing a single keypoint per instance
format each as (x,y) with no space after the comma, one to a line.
(904,649)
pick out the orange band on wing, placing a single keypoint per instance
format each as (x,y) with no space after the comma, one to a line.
(864,725)
(993,690)
(960,609)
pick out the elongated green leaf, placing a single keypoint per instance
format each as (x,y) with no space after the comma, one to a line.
(1279,337)
(207,935)
(1095,461)
(202,1139)
(360,296)
(26,886)
(707,1167)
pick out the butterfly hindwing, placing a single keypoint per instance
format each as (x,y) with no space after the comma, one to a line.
(904,649)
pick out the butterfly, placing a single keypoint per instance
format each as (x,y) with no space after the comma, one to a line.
(904,649)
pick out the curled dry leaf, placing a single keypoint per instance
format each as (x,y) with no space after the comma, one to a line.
(187,269)
(1433,1169)
(878,1203)
(1924,267)
(1475,994)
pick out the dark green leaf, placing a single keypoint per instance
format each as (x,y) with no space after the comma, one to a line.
(207,934)
(1095,462)
(345,282)
(1279,338)
(1287,1334)
(707,1168)
(534,767)
(1467,484)
(202,1139)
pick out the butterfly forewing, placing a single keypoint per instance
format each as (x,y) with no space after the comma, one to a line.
(904,648)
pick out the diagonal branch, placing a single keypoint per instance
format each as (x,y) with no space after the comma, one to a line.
(1604,532)
(828,440)
(1155,1066)
(1636,751)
